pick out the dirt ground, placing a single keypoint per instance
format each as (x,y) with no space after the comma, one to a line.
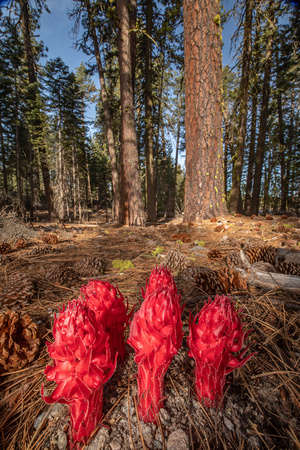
(262,401)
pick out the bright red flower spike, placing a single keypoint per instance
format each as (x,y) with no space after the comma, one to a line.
(215,334)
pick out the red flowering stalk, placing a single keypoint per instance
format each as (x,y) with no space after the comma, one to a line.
(108,304)
(156,336)
(160,277)
(82,364)
(215,334)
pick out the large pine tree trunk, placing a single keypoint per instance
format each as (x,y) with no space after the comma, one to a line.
(204,185)
(235,193)
(260,152)
(131,194)
(3,158)
(150,172)
(251,156)
(33,92)
(107,114)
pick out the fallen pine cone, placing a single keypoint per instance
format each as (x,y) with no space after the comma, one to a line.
(213,219)
(19,340)
(5,248)
(214,254)
(268,217)
(50,239)
(220,229)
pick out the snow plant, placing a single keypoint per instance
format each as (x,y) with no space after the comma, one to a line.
(82,363)
(156,336)
(216,334)
(108,304)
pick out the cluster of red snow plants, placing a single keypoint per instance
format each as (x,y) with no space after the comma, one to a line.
(89,339)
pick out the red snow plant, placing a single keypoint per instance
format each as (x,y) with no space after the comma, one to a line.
(156,336)
(215,334)
(82,364)
(108,304)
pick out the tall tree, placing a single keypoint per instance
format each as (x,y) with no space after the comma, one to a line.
(131,194)
(150,164)
(260,152)
(235,194)
(204,185)
(106,108)
(26,25)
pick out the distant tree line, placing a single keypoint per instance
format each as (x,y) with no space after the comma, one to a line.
(161,94)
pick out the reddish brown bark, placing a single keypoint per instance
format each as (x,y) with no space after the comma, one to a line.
(131,191)
(204,186)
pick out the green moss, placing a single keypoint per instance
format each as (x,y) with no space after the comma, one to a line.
(217,19)
(200,243)
(122,264)
(157,251)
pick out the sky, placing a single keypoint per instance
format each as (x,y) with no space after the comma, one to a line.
(55,32)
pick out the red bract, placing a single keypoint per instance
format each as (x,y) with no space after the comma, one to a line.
(108,304)
(156,336)
(215,334)
(82,363)
(160,277)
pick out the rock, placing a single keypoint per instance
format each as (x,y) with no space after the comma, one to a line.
(62,440)
(228,424)
(178,440)
(100,440)
(164,416)
(39,420)
(148,433)
(115,445)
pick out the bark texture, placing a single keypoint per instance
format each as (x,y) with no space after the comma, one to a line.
(204,186)
(131,191)
(239,157)
(107,115)
(260,152)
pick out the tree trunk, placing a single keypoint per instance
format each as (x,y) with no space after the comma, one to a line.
(131,196)
(238,161)
(150,172)
(32,78)
(4,174)
(174,178)
(107,114)
(251,157)
(204,185)
(260,152)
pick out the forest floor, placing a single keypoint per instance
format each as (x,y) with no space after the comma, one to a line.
(262,400)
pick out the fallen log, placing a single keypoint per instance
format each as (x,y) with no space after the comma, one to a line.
(289,283)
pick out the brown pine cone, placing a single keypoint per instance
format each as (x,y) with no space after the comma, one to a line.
(61,274)
(5,248)
(19,340)
(20,243)
(18,290)
(219,228)
(214,254)
(50,239)
(89,267)
(176,261)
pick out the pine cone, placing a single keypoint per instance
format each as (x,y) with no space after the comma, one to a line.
(219,228)
(19,340)
(41,250)
(214,254)
(61,274)
(213,220)
(20,243)
(5,248)
(288,268)
(176,261)
(234,260)
(4,260)
(18,290)
(50,239)
(266,254)
(214,282)
(89,267)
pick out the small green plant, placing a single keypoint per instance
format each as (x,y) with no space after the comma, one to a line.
(122,264)
(157,251)
(200,243)
(106,232)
